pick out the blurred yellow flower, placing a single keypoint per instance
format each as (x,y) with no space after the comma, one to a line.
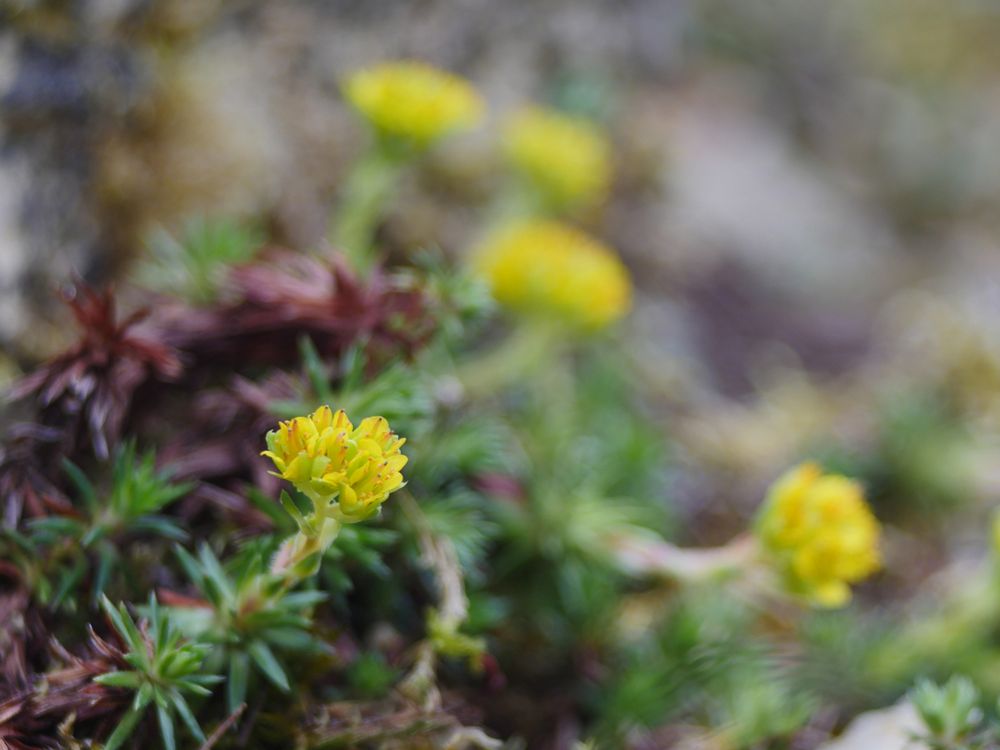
(553,270)
(820,532)
(414,101)
(326,457)
(567,158)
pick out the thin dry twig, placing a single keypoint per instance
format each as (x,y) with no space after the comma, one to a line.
(224,727)
(439,554)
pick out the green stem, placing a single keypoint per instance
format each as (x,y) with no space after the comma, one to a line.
(294,551)
(651,556)
(529,347)
(518,201)
(363,199)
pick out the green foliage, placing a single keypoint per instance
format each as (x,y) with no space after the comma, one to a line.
(588,419)
(584,456)
(192,266)
(704,665)
(840,659)
(138,492)
(164,669)
(625,448)
(359,548)
(370,676)
(475,444)
(951,715)
(462,519)
(400,393)
(250,617)
(448,641)
(70,547)
(29,559)
(460,300)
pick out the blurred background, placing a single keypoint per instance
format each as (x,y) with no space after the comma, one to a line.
(783,168)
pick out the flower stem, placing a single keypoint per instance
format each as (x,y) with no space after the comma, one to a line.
(653,556)
(289,563)
(526,349)
(363,199)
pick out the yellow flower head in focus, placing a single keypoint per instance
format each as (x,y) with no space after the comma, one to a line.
(414,101)
(567,158)
(553,270)
(820,532)
(327,457)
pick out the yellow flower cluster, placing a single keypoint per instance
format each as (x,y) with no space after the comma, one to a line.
(327,458)
(413,101)
(820,532)
(553,270)
(568,159)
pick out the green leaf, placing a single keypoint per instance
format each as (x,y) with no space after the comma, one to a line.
(266,505)
(124,729)
(308,565)
(82,484)
(68,581)
(160,698)
(316,371)
(166,728)
(190,565)
(179,662)
(135,638)
(184,711)
(303,599)
(337,579)
(115,616)
(19,540)
(47,528)
(173,638)
(159,526)
(264,658)
(204,679)
(370,676)
(250,569)
(120,679)
(236,686)
(143,696)
(292,509)
(215,574)
(106,556)
(292,639)
(159,627)
(93,534)
(189,686)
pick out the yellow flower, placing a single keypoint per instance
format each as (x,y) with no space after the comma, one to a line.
(819,531)
(554,270)
(414,101)
(327,458)
(567,158)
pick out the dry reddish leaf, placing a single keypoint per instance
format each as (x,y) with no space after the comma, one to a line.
(26,459)
(30,716)
(285,295)
(90,387)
